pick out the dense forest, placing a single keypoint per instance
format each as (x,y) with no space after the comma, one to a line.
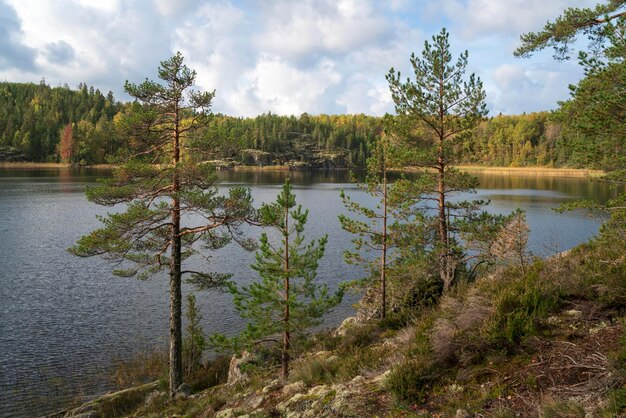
(33,118)
(59,124)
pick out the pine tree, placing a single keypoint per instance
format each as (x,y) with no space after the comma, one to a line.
(373,227)
(287,299)
(596,111)
(159,187)
(437,107)
(195,343)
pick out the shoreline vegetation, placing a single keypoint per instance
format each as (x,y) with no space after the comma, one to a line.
(473,169)
(565,339)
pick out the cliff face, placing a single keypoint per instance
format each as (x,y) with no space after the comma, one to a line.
(10,154)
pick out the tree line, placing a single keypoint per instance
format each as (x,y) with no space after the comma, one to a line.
(40,123)
(34,117)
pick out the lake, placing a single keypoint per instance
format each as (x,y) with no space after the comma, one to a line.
(65,320)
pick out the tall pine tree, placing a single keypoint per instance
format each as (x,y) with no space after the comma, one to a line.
(159,187)
(438,106)
(373,227)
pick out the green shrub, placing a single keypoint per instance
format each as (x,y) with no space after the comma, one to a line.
(212,373)
(395,320)
(411,380)
(519,305)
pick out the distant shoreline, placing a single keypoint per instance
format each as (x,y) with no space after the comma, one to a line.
(29,164)
(532,171)
(520,171)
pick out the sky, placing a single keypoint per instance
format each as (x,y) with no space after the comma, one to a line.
(283,56)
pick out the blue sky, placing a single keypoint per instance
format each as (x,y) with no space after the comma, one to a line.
(287,57)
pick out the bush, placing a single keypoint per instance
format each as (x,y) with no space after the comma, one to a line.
(519,304)
(455,335)
(212,373)
(411,380)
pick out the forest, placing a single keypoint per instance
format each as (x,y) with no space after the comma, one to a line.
(59,124)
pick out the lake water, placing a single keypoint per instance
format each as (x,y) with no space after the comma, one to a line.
(64,320)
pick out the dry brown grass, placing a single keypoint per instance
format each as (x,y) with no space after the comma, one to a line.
(532,171)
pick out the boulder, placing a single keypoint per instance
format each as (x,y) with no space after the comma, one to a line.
(235,374)
(183,391)
(347,324)
(295,387)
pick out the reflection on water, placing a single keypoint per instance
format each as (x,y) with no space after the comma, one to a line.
(568,187)
(64,320)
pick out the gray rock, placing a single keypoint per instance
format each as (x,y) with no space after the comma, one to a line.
(226,413)
(153,396)
(235,374)
(295,387)
(345,326)
(274,384)
(183,391)
(462,413)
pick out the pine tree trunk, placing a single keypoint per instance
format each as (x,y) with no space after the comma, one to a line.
(285,353)
(176,340)
(445,262)
(175,355)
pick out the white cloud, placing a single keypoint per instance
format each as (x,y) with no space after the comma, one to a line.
(516,89)
(363,96)
(511,17)
(275,85)
(303,30)
(316,56)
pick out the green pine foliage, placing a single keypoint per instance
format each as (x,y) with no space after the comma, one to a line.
(435,109)
(594,119)
(195,342)
(288,299)
(159,187)
(376,229)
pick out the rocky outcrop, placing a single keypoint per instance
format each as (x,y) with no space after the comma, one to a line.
(235,372)
(99,407)
(351,399)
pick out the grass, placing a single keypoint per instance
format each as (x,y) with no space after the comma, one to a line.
(142,368)
(533,171)
(561,409)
